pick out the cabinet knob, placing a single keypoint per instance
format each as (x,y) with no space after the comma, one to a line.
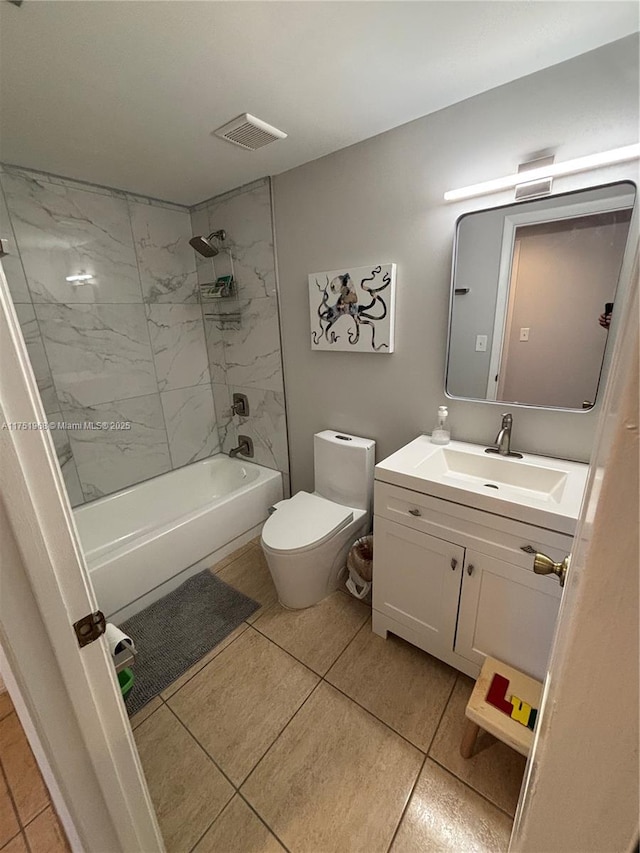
(454,563)
(415,512)
(470,569)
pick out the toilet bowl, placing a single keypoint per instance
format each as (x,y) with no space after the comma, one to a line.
(307,538)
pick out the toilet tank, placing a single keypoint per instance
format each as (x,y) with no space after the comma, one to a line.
(343,468)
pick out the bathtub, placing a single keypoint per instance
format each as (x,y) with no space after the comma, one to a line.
(144,541)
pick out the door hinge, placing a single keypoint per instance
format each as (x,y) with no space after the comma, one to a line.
(90,627)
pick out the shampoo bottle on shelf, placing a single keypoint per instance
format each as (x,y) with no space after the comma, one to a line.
(441,432)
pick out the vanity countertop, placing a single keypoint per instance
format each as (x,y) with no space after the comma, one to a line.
(537,490)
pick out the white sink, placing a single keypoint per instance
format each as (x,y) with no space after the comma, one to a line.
(535,489)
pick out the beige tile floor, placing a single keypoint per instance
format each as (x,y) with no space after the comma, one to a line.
(304,731)
(28,822)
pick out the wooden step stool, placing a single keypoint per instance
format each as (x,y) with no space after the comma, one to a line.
(481,715)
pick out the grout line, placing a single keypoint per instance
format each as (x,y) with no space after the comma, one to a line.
(444,711)
(407,804)
(323,678)
(204,666)
(22,825)
(37,815)
(426,757)
(263,821)
(371,714)
(26,842)
(451,772)
(282,648)
(11,797)
(306,699)
(304,663)
(43,177)
(13,838)
(471,788)
(220,813)
(272,744)
(208,754)
(348,644)
(142,722)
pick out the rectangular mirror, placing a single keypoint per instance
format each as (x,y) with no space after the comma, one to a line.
(534,286)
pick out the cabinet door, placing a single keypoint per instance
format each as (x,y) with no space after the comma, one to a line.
(506,612)
(416,581)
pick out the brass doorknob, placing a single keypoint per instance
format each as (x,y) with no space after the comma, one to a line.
(543,565)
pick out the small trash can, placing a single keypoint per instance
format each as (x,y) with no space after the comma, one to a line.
(125,680)
(360,566)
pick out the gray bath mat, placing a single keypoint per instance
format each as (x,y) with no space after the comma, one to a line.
(175,632)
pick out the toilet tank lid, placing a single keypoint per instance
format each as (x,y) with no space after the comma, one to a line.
(345,438)
(302,521)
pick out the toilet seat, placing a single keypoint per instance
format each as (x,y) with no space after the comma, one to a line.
(304,521)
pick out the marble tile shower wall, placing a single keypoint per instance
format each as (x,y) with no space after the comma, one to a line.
(244,354)
(128,346)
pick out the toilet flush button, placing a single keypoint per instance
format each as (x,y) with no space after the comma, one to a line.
(344,437)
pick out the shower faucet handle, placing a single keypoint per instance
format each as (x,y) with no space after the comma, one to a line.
(240,405)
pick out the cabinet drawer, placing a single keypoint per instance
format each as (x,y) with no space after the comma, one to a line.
(403,506)
(494,535)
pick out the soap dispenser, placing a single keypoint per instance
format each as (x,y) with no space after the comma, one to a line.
(441,432)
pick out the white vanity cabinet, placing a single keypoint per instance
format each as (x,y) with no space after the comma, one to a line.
(506,612)
(417,582)
(454,581)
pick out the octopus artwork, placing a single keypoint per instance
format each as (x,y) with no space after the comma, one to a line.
(344,301)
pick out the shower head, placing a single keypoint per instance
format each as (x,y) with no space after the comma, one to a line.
(204,246)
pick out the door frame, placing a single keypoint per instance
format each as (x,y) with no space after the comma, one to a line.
(512,222)
(45,589)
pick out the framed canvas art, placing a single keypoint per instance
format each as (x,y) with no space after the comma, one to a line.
(352,309)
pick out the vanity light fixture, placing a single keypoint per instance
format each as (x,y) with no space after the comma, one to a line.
(569,167)
(81,278)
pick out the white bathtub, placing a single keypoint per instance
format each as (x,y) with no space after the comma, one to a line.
(144,541)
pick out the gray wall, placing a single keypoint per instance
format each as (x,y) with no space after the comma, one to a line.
(381,201)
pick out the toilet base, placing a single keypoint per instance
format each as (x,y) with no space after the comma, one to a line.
(304,578)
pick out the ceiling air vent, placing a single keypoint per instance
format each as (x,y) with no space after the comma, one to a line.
(249,132)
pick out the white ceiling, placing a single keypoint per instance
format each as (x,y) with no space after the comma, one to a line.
(127,94)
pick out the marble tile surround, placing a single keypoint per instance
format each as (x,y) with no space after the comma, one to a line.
(133,343)
(97,353)
(165,259)
(190,419)
(178,344)
(119,457)
(245,215)
(12,263)
(62,231)
(246,356)
(66,459)
(37,356)
(109,349)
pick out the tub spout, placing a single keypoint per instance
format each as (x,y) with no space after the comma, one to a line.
(245,447)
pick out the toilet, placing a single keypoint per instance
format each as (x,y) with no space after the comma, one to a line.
(307,538)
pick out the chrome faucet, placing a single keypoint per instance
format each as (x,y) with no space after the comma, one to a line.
(503,439)
(245,447)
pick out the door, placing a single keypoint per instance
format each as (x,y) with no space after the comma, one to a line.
(416,581)
(44,575)
(508,613)
(581,785)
